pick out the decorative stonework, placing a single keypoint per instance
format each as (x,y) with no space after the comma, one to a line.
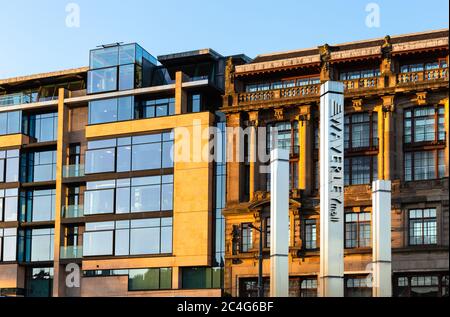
(421,98)
(304,113)
(253,117)
(229,77)
(388,103)
(357,105)
(279,114)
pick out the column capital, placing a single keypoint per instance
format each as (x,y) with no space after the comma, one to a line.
(388,103)
(357,104)
(253,117)
(304,113)
(421,98)
(279,113)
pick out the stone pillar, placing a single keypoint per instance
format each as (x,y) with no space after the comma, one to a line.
(381,239)
(331,279)
(180,93)
(305,151)
(235,181)
(60,198)
(447,122)
(279,223)
(254,171)
(387,136)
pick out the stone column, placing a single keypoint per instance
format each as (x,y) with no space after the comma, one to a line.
(235,181)
(331,279)
(254,171)
(386,136)
(180,93)
(279,223)
(381,239)
(447,122)
(305,151)
(60,195)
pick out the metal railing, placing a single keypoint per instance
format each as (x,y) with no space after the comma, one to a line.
(15,99)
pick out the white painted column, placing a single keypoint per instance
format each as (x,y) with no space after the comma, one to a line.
(381,239)
(331,279)
(279,223)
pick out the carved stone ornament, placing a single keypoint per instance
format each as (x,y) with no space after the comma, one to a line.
(279,114)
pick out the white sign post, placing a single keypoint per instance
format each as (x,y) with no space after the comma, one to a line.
(279,223)
(381,239)
(331,279)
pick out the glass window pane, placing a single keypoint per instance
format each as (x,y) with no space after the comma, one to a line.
(99,202)
(145,241)
(146,156)
(102,80)
(126,77)
(98,243)
(122,242)
(100,161)
(104,57)
(127,54)
(145,198)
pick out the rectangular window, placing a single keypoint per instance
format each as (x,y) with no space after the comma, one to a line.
(42,245)
(246,237)
(196,103)
(126,77)
(308,287)
(422,226)
(10,122)
(201,277)
(361,131)
(423,165)
(128,237)
(104,57)
(150,279)
(43,127)
(357,230)
(99,197)
(424,124)
(8,244)
(9,166)
(111,110)
(9,204)
(267,233)
(40,205)
(423,285)
(358,286)
(40,166)
(102,80)
(310,234)
(360,170)
(157,108)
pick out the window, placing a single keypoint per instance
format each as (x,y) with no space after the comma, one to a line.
(43,127)
(39,205)
(358,286)
(423,165)
(310,237)
(150,279)
(246,237)
(300,82)
(422,227)
(126,77)
(196,103)
(267,233)
(129,237)
(40,166)
(287,138)
(157,108)
(358,74)
(146,152)
(360,170)
(10,122)
(424,124)
(104,57)
(361,131)
(308,287)
(102,80)
(201,277)
(142,194)
(111,110)
(421,285)
(8,244)
(9,166)
(9,204)
(39,282)
(38,245)
(357,230)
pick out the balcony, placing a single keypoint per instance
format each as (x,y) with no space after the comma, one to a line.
(71,252)
(72,211)
(360,83)
(17,99)
(277,94)
(420,76)
(72,171)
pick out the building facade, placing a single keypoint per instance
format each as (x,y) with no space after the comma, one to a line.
(94,179)
(396,128)
(90,180)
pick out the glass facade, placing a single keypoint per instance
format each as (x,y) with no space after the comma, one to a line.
(128,237)
(10,122)
(422,226)
(38,205)
(201,278)
(39,282)
(146,152)
(42,127)
(38,166)
(9,204)
(8,244)
(9,166)
(36,245)
(142,194)
(358,230)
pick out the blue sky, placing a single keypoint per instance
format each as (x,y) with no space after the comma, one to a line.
(35,37)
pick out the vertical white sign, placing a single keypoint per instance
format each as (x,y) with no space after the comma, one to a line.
(331,279)
(381,239)
(279,223)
